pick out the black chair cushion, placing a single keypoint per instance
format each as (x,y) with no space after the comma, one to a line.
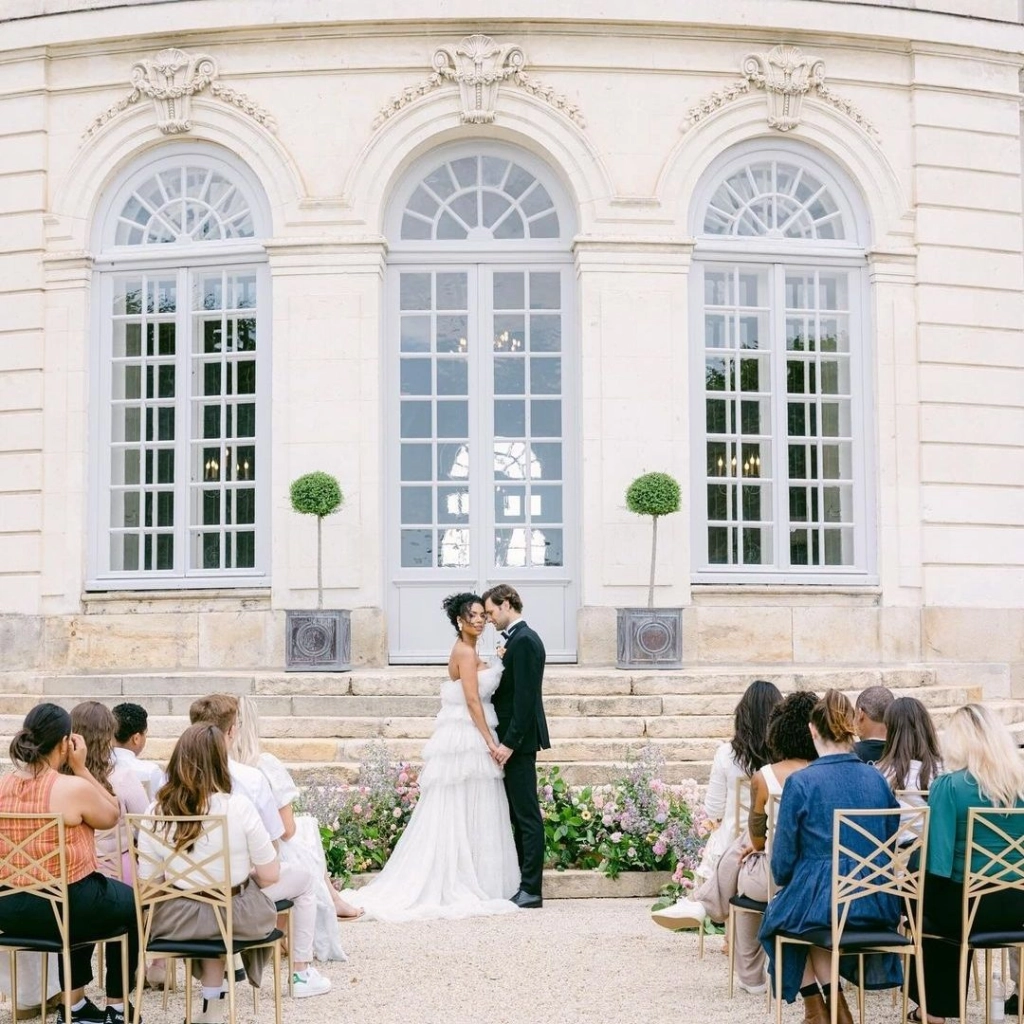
(991,940)
(53,945)
(853,940)
(280,905)
(208,949)
(746,903)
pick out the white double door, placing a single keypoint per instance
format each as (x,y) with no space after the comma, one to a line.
(481,471)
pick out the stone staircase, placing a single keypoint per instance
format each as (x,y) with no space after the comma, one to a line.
(320,723)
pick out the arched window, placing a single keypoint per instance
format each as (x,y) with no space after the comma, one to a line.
(780,370)
(181,455)
(479,349)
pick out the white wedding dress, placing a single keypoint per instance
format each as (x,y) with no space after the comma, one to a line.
(456,857)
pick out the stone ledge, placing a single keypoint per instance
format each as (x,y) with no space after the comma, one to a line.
(577,885)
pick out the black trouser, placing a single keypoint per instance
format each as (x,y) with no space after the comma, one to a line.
(527,823)
(943,914)
(97,906)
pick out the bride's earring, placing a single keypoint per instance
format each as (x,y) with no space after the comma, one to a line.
(458,622)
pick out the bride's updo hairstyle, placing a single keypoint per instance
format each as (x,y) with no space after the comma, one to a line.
(43,729)
(832,716)
(457,606)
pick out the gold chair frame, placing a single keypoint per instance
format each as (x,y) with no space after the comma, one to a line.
(886,868)
(24,874)
(998,873)
(197,880)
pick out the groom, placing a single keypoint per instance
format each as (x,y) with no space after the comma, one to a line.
(522,731)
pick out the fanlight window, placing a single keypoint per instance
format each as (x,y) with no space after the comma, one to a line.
(184,204)
(774,199)
(479,198)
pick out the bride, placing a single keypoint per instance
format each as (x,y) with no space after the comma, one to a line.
(456,857)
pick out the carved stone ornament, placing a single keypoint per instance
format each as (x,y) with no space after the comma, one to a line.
(479,65)
(170,79)
(786,76)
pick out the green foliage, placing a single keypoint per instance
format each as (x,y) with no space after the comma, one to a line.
(653,494)
(316,494)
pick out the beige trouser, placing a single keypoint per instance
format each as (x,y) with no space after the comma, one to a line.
(731,878)
(297,884)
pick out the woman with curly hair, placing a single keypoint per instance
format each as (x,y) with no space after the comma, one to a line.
(743,868)
(456,857)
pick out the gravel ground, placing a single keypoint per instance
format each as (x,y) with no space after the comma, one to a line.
(588,961)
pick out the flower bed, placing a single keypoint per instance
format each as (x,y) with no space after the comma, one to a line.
(637,823)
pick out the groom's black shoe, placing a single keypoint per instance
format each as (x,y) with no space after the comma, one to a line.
(527,901)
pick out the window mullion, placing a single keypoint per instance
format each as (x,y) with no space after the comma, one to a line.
(780,428)
(183,417)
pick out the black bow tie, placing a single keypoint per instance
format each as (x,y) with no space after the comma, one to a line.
(504,634)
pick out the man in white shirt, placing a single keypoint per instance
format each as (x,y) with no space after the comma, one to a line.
(130,740)
(296,883)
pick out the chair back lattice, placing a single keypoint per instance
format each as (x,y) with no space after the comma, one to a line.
(111,861)
(161,873)
(995,843)
(865,863)
(33,861)
(742,804)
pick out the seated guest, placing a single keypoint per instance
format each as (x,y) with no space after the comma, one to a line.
(198,783)
(95,724)
(296,883)
(911,758)
(130,741)
(301,842)
(97,905)
(869,723)
(743,868)
(984,770)
(801,861)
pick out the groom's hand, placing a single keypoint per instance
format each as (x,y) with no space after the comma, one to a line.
(503,753)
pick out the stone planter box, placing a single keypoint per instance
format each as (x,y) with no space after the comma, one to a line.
(581,885)
(318,641)
(649,638)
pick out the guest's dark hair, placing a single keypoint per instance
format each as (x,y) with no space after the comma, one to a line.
(458,606)
(788,735)
(909,736)
(131,718)
(502,593)
(873,701)
(44,727)
(750,726)
(95,723)
(832,716)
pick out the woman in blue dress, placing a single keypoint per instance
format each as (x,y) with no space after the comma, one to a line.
(802,863)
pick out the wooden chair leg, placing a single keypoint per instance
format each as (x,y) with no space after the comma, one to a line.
(14,988)
(277,982)
(732,949)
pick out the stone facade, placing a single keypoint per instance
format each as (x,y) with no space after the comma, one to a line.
(920,107)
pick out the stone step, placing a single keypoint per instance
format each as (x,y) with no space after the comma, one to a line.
(424,682)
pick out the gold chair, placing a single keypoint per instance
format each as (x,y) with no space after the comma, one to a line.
(45,876)
(885,867)
(170,875)
(284,909)
(1000,868)
(744,904)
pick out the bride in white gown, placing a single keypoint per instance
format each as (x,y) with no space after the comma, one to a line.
(456,857)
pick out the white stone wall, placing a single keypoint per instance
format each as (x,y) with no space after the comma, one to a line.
(933,141)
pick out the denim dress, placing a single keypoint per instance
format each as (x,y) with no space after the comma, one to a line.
(802,865)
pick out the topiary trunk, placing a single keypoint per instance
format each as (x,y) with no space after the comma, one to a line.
(654,558)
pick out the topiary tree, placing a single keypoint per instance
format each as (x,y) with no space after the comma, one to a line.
(654,495)
(317,494)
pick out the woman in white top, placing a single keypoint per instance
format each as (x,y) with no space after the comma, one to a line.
(737,759)
(743,868)
(198,783)
(911,758)
(301,841)
(96,724)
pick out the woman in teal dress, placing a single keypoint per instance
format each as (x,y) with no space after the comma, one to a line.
(802,863)
(984,770)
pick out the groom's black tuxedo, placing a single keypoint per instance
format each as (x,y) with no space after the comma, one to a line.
(523,727)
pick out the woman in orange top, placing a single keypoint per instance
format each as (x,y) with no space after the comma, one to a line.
(97,905)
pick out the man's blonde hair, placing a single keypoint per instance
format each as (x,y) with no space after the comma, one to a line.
(219,709)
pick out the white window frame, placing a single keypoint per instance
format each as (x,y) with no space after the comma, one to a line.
(181,260)
(781,254)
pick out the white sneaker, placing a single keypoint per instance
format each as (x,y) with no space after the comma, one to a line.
(754,990)
(313,984)
(684,913)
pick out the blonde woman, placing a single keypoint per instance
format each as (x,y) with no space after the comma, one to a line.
(300,842)
(983,769)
